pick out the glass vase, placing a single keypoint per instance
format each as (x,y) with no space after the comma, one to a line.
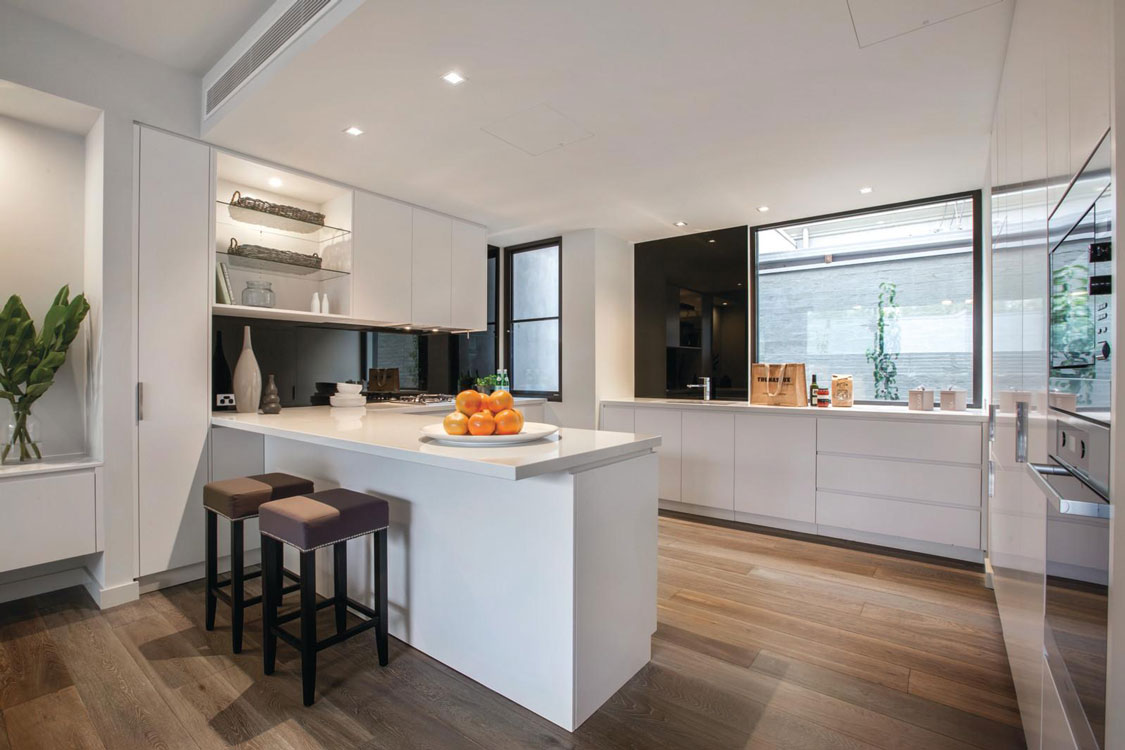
(258,294)
(21,440)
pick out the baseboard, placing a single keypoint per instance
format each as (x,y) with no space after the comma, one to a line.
(697,510)
(188,573)
(950,551)
(111,596)
(774,522)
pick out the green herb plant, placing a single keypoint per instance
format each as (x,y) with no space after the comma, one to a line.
(29,360)
(886,338)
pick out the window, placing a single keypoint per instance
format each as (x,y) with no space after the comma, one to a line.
(478,353)
(533,322)
(890,295)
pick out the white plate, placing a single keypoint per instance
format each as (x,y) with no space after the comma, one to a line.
(348,400)
(531,432)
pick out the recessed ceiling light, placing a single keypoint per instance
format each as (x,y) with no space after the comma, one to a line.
(406,328)
(865,190)
(433,330)
(763,209)
(947,302)
(968,302)
(275,182)
(740,283)
(681,224)
(353,130)
(453,78)
(857,307)
(710,242)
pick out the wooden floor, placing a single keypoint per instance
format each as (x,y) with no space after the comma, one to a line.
(763,642)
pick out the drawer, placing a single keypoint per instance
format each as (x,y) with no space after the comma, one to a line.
(47,517)
(934,441)
(928,523)
(937,483)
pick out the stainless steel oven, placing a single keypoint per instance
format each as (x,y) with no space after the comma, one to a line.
(1076,479)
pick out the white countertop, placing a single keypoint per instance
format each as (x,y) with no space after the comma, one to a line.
(396,434)
(49,465)
(870,411)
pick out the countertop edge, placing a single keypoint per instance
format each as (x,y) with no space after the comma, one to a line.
(641,446)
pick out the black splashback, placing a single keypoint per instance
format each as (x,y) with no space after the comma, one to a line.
(690,315)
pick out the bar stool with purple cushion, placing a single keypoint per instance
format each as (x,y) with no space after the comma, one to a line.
(320,519)
(238,500)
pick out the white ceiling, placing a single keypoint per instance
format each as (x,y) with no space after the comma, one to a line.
(668,110)
(190,35)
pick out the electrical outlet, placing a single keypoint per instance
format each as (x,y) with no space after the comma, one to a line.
(224,399)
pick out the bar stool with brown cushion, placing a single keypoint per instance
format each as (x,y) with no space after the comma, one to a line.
(320,519)
(238,500)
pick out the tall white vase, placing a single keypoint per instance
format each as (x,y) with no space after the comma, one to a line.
(247,378)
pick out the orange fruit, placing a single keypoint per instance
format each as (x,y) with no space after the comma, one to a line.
(482,423)
(455,424)
(498,401)
(509,422)
(469,402)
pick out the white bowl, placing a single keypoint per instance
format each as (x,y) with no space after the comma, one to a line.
(349,388)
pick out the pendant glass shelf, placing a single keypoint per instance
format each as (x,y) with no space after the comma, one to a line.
(283,226)
(277,268)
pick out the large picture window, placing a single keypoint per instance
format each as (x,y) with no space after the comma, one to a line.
(889,295)
(533,318)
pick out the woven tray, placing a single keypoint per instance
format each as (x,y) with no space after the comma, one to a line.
(277,209)
(258,252)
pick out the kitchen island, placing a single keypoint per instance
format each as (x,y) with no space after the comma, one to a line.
(531,569)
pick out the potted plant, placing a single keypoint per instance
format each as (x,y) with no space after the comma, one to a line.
(487,384)
(29,361)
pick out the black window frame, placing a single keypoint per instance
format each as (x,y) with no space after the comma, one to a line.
(977,395)
(509,253)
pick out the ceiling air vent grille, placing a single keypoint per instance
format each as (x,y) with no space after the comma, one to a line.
(282,30)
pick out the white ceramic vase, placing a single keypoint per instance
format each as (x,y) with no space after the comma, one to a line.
(247,378)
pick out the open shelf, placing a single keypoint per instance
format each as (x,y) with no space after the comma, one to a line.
(277,268)
(330,320)
(273,223)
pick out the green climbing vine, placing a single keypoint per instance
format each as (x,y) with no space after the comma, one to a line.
(886,339)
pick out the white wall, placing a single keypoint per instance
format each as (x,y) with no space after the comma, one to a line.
(127,88)
(42,204)
(597,325)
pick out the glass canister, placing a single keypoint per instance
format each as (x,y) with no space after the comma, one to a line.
(258,294)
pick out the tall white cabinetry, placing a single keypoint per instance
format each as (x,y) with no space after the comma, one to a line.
(173,344)
(382,238)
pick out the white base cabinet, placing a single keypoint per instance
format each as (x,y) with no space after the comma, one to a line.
(707,465)
(47,517)
(896,479)
(775,468)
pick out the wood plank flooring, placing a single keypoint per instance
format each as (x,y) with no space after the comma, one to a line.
(764,641)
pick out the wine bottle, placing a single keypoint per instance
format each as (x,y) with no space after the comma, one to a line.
(813,392)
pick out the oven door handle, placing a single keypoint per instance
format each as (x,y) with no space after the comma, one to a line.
(1063,506)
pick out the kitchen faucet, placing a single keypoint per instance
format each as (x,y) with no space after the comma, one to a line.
(705,385)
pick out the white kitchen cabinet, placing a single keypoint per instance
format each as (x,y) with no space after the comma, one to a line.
(925,439)
(668,424)
(47,517)
(936,524)
(707,450)
(775,466)
(948,484)
(469,292)
(432,269)
(173,348)
(382,259)
(617,418)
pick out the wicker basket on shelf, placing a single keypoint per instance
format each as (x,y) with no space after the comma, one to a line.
(277,209)
(258,252)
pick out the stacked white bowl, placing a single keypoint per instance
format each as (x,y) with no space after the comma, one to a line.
(348,396)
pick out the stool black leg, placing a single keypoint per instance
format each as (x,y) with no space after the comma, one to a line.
(380,555)
(340,587)
(237,588)
(271,600)
(211,552)
(308,625)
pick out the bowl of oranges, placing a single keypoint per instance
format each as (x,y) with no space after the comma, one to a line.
(486,419)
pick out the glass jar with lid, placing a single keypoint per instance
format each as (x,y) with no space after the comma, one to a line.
(258,294)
